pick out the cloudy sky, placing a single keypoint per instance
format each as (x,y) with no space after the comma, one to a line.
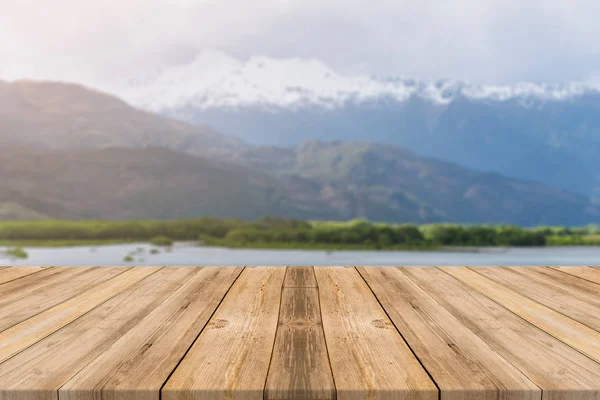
(481,41)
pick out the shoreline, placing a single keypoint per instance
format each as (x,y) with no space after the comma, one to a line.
(8,244)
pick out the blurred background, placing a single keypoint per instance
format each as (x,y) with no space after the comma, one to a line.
(288,132)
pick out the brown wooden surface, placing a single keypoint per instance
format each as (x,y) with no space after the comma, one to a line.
(39,371)
(23,298)
(369,359)
(462,364)
(9,274)
(555,292)
(32,330)
(303,277)
(300,364)
(574,333)
(231,357)
(144,357)
(559,370)
(174,333)
(587,273)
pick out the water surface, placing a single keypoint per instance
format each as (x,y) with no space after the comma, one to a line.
(187,254)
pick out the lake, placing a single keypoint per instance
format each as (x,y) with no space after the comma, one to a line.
(187,254)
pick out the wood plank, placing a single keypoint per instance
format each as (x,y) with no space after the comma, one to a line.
(28,332)
(12,273)
(553,279)
(369,358)
(22,287)
(231,357)
(462,365)
(557,293)
(580,287)
(38,372)
(567,330)
(587,273)
(25,297)
(300,365)
(562,372)
(300,277)
(143,358)
(126,346)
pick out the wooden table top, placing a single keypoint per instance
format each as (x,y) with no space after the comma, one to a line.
(183,333)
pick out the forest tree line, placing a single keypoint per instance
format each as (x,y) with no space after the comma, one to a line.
(277,232)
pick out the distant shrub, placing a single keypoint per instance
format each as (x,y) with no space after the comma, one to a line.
(408,234)
(161,241)
(249,235)
(354,233)
(455,235)
(449,235)
(516,236)
(16,252)
(279,223)
(568,240)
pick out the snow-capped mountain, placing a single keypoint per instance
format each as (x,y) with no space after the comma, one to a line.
(217,80)
(540,132)
(70,152)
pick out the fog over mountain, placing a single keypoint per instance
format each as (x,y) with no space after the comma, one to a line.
(543,132)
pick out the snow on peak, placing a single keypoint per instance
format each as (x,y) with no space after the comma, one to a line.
(217,80)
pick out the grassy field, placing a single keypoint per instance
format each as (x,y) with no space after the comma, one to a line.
(63,243)
(574,240)
(291,234)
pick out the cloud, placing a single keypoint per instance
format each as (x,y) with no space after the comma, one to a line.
(491,41)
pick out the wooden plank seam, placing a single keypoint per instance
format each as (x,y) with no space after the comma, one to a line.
(301,327)
(160,392)
(5,355)
(401,335)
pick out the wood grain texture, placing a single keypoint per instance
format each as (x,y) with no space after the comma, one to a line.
(124,333)
(586,273)
(12,273)
(582,288)
(369,359)
(562,372)
(30,331)
(140,362)
(300,277)
(46,289)
(230,359)
(300,365)
(22,287)
(462,365)
(575,300)
(38,372)
(569,331)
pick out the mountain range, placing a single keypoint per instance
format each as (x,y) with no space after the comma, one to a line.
(540,132)
(67,151)
(54,116)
